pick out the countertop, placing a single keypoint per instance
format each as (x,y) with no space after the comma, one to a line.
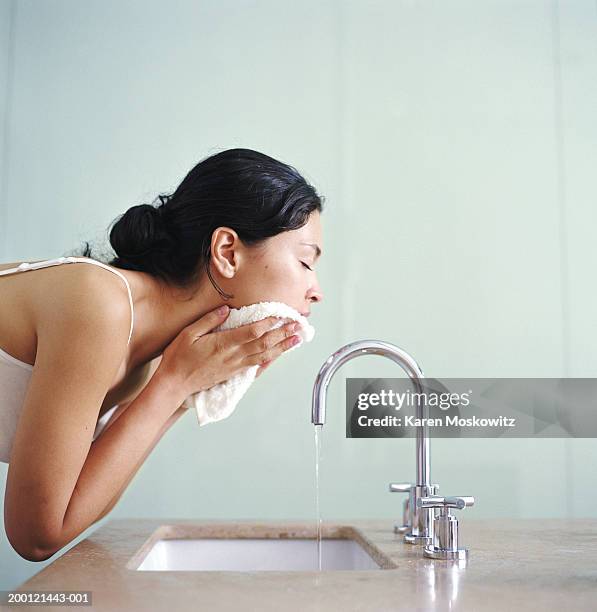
(514,564)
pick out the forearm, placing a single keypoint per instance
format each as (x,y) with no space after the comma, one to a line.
(162,431)
(116,454)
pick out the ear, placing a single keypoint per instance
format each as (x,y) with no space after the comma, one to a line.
(225,244)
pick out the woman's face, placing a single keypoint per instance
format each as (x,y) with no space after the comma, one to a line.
(275,271)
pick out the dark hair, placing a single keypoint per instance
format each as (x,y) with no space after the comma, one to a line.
(255,195)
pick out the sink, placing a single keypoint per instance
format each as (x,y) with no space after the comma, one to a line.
(256,554)
(252,547)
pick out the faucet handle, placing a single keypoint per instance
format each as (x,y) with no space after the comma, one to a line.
(402,487)
(445,526)
(437,501)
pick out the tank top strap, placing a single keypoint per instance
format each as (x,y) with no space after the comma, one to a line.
(61,260)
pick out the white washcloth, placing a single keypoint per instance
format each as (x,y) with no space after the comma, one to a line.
(219,401)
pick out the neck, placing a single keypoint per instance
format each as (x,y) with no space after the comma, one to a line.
(163,311)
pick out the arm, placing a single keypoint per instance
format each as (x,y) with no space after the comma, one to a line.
(162,431)
(116,456)
(58,482)
(150,370)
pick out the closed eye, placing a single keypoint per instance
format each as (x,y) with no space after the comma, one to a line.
(306,266)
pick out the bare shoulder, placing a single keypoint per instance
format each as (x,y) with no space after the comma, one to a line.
(80,293)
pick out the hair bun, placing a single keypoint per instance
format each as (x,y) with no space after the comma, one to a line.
(139,231)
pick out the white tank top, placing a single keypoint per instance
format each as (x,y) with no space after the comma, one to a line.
(15,374)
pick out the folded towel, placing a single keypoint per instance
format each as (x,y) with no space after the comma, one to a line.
(219,401)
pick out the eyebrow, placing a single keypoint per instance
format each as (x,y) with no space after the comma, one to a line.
(315,246)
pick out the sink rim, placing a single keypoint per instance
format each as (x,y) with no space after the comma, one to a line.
(266,531)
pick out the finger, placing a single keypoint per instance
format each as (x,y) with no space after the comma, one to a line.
(207,322)
(270,338)
(272,353)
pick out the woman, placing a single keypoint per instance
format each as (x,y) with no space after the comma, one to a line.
(133,336)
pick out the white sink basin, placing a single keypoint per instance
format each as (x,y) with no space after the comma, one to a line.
(255,554)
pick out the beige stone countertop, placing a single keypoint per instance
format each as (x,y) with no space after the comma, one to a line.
(514,564)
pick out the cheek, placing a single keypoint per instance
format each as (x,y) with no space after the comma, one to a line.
(266,275)
(281,275)
(273,269)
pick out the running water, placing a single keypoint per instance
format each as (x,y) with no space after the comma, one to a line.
(317,456)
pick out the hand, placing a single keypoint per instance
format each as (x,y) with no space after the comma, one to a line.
(199,358)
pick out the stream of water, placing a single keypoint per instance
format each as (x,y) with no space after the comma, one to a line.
(317,457)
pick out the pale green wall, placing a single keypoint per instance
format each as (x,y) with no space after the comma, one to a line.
(459,224)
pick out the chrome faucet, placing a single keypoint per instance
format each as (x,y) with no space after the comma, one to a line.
(418,518)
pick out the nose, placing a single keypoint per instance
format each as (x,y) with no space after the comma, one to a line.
(315,294)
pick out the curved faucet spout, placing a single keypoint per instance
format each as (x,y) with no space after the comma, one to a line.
(405,361)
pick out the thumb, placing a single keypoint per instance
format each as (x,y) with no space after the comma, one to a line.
(208,321)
